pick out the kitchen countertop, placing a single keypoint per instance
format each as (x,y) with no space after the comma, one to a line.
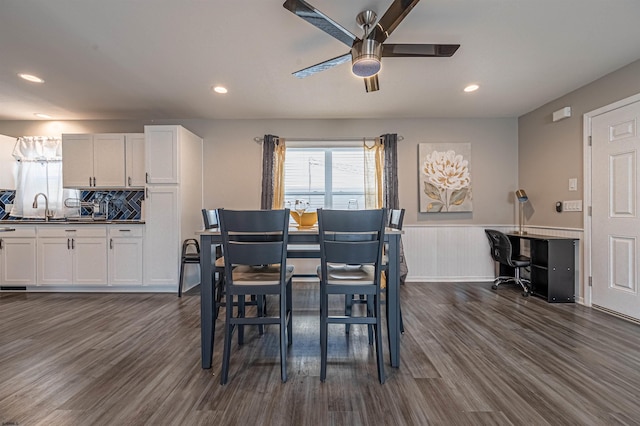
(67,221)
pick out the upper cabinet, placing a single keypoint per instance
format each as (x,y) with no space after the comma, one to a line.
(161,147)
(103,160)
(134,160)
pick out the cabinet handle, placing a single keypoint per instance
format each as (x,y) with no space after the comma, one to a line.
(146,193)
(125,230)
(0,243)
(129,181)
(146,177)
(94,181)
(111,243)
(73,244)
(89,180)
(68,244)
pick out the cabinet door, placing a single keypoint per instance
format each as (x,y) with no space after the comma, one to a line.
(54,261)
(125,261)
(161,243)
(77,160)
(161,148)
(89,260)
(18,261)
(108,160)
(134,160)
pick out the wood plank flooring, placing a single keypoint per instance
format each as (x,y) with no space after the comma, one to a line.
(470,356)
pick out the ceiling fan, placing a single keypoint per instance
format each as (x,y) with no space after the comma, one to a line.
(366,53)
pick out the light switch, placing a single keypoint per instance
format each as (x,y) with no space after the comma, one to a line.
(573,184)
(572,206)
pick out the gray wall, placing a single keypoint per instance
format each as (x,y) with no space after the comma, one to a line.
(552,153)
(233,160)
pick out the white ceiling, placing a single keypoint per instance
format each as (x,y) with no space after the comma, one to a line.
(155,59)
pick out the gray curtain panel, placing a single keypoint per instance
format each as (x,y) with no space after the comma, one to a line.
(391,200)
(390,141)
(268,147)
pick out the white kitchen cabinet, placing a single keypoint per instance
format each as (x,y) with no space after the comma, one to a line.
(125,255)
(162,236)
(173,203)
(72,255)
(93,160)
(134,160)
(18,257)
(162,154)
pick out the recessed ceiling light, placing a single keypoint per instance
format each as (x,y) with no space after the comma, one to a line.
(40,115)
(220,89)
(31,78)
(471,88)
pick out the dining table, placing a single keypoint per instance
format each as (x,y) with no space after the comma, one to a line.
(303,243)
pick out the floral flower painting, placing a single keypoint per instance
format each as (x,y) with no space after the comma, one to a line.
(444,177)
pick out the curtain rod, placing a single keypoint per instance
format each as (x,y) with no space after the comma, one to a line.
(260,140)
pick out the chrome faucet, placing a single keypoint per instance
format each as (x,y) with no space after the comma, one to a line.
(48,214)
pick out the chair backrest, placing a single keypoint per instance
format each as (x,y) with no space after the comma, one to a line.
(501,249)
(210,217)
(396,216)
(351,237)
(254,237)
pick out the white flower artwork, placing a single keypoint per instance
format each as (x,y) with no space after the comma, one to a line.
(444,177)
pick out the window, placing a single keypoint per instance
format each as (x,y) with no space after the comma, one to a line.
(326,177)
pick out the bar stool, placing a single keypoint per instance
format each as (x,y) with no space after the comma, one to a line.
(188,257)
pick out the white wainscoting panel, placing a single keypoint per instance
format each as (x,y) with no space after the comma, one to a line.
(461,252)
(449,252)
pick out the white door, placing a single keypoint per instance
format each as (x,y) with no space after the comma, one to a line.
(615,222)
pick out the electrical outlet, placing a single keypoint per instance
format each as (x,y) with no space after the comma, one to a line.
(572,206)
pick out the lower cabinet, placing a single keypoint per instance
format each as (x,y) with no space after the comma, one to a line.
(18,257)
(125,255)
(72,255)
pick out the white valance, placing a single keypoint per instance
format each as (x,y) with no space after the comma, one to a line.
(38,148)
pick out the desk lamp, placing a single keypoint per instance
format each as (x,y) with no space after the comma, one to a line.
(522,198)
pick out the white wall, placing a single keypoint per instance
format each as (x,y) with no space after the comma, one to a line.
(7,162)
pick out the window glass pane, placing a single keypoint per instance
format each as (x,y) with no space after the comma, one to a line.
(325,177)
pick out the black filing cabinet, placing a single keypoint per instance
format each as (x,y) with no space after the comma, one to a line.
(553,268)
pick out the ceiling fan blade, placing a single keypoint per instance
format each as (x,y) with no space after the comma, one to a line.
(398,10)
(329,63)
(319,20)
(371,83)
(419,50)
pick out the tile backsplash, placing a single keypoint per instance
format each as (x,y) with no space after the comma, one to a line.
(123,205)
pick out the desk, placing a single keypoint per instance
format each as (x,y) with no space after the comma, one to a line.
(552,265)
(304,236)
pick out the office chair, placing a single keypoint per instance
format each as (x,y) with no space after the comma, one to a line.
(502,252)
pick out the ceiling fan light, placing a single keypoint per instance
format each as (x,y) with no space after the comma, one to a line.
(365,58)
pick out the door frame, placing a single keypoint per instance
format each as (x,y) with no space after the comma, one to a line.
(587,159)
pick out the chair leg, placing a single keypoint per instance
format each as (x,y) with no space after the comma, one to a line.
(228,331)
(401,322)
(180,279)
(378,330)
(260,307)
(283,335)
(324,302)
(289,313)
(370,309)
(348,306)
(241,310)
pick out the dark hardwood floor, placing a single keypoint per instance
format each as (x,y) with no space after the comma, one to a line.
(470,356)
